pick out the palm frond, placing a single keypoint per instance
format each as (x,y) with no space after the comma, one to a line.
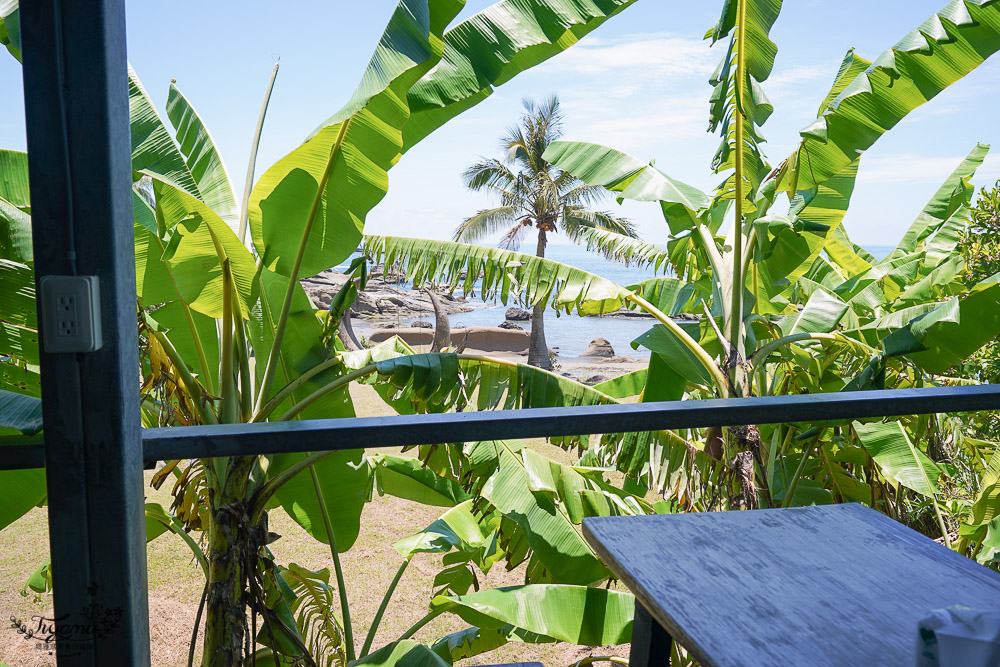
(576,219)
(489,173)
(486,223)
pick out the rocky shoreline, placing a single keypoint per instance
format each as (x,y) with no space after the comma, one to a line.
(388,308)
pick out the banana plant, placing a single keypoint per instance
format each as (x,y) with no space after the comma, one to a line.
(788,304)
(228,335)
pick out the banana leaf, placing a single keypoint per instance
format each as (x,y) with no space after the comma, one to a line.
(623,386)
(199,243)
(821,314)
(407,478)
(457,528)
(307,211)
(21,413)
(547,525)
(625,249)
(498,273)
(344,479)
(632,178)
(154,152)
(10,27)
(943,49)
(897,458)
(15,207)
(954,193)
(203,159)
(405,653)
(575,614)
(952,332)
(492,47)
(20,490)
(474,641)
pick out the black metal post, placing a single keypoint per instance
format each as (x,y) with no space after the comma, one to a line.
(651,644)
(76,102)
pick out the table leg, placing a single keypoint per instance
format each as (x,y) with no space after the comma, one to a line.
(651,644)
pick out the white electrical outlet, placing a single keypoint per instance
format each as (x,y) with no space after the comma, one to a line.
(71,315)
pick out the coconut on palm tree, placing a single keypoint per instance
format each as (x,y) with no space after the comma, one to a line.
(534,194)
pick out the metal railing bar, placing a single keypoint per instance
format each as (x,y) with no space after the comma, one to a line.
(429,429)
(187,442)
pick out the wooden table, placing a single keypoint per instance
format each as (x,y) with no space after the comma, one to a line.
(833,585)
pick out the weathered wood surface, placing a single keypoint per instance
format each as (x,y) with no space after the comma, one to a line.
(834,585)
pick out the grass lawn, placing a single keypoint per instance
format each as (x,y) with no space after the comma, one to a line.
(175,581)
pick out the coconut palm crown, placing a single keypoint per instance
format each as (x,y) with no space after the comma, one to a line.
(533,193)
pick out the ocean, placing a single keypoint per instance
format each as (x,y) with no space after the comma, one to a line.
(569,335)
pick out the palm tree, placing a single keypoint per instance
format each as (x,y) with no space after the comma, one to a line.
(534,193)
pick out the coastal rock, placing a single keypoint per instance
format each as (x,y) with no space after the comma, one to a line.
(518,315)
(483,339)
(379,298)
(599,347)
(422,325)
(596,379)
(510,325)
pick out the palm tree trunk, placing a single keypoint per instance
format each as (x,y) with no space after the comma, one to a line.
(538,350)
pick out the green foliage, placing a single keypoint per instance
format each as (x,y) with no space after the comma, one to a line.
(228,334)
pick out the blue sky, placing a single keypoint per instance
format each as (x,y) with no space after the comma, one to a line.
(638,83)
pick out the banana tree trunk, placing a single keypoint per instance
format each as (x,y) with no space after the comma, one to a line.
(538,350)
(225,612)
(232,556)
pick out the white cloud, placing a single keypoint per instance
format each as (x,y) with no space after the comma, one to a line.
(642,55)
(914,168)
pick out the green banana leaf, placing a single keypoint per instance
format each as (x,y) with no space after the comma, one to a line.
(632,178)
(821,314)
(457,528)
(953,194)
(623,386)
(986,508)
(491,48)
(535,280)
(574,614)
(407,478)
(943,49)
(203,159)
(199,243)
(10,27)
(437,382)
(952,332)
(20,490)
(301,350)
(153,150)
(662,341)
(344,478)
(19,412)
(897,457)
(625,249)
(850,68)
(547,525)
(307,211)
(15,207)
(405,653)
(17,298)
(470,642)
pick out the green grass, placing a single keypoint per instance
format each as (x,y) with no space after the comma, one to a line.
(176,582)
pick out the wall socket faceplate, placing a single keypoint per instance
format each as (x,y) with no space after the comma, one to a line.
(71,314)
